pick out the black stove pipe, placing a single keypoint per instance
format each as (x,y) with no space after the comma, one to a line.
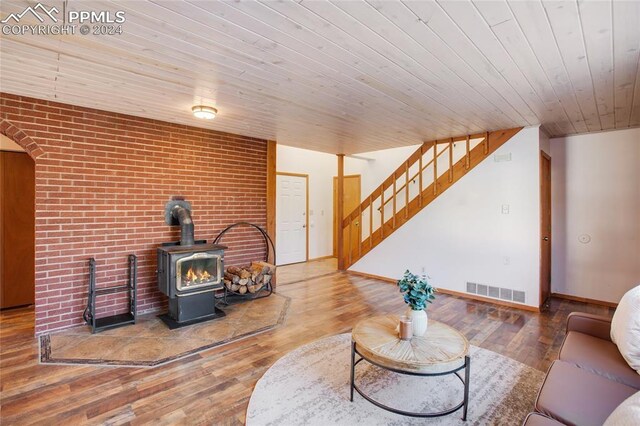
(183,215)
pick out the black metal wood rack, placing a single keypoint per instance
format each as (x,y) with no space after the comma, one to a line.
(105,323)
(270,253)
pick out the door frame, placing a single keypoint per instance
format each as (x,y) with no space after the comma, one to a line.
(544,156)
(306,177)
(335,207)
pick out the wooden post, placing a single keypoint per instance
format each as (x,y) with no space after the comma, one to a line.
(340,210)
(435,168)
(486,143)
(420,169)
(406,190)
(271,197)
(468,162)
(394,200)
(370,222)
(451,160)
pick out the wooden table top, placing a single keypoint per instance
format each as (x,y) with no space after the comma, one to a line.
(441,349)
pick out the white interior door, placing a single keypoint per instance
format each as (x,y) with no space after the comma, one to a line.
(291,219)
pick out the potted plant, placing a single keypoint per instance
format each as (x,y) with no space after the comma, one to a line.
(417,292)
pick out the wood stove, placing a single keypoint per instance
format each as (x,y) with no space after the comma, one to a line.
(189,272)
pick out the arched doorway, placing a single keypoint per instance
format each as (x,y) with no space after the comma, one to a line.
(17,225)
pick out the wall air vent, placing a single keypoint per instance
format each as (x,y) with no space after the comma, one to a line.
(496,292)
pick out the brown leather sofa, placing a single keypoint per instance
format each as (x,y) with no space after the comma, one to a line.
(588,380)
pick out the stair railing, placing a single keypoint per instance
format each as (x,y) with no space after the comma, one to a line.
(409,188)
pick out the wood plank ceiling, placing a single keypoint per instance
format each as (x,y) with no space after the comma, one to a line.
(345,76)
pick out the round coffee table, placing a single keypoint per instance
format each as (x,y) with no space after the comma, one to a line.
(441,351)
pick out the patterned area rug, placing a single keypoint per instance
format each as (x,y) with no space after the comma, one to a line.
(149,342)
(310,386)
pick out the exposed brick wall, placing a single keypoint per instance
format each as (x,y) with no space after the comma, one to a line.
(102,180)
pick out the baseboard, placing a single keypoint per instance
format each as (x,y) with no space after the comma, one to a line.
(375,277)
(584,300)
(456,293)
(321,258)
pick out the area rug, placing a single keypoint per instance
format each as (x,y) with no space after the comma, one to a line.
(149,342)
(310,386)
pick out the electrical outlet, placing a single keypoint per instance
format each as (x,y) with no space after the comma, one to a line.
(424,270)
(505,209)
(506,260)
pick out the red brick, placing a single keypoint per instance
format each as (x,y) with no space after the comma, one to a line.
(102,180)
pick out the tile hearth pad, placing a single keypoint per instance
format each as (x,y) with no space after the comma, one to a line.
(150,342)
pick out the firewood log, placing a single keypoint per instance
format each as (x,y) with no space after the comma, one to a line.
(270,269)
(244,281)
(242,289)
(234,270)
(231,277)
(227,284)
(259,278)
(267,279)
(235,287)
(253,288)
(245,274)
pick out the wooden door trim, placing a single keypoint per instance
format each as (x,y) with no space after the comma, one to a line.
(306,196)
(334,226)
(544,156)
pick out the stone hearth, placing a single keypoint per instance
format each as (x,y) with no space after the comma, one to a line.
(150,342)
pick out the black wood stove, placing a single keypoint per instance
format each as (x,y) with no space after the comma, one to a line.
(189,271)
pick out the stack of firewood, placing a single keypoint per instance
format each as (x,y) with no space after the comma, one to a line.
(250,278)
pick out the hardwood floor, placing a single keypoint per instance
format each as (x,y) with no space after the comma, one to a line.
(214,386)
(305,270)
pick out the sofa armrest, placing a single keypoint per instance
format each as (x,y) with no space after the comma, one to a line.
(593,325)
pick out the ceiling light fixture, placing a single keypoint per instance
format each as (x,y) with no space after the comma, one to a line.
(206,112)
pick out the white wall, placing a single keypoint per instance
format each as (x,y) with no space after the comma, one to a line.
(596,193)
(377,166)
(321,168)
(463,235)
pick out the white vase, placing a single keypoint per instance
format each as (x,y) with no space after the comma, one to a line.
(418,321)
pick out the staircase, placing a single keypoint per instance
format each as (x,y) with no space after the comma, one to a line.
(426,174)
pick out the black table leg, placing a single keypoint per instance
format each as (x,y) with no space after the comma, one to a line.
(467,370)
(353,367)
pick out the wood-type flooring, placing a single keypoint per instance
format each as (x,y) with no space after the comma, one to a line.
(214,386)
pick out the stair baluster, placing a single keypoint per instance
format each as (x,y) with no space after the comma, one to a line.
(471,158)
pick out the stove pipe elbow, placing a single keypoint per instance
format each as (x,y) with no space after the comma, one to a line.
(183,215)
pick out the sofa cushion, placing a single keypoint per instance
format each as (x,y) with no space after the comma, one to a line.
(537,419)
(598,356)
(575,396)
(625,327)
(627,413)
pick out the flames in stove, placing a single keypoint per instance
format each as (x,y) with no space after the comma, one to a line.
(196,277)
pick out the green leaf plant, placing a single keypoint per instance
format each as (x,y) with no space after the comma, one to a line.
(416,290)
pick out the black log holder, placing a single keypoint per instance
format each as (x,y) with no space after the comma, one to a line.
(118,320)
(230,297)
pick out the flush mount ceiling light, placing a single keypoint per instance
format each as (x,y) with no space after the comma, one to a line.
(206,112)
